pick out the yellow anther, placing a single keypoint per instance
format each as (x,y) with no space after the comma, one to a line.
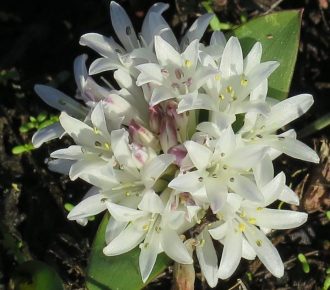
(229,89)
(217,77)
(145,227)
(187,63)
(252,221)
(244,82)
(127,193)
(96,131)
(107,146)
(259,243)
(201,243)
(259,208)
(242,227)
(222,97)
(242,214)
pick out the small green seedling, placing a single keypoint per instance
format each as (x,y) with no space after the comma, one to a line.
(39,122)
(19,149)
(304,263)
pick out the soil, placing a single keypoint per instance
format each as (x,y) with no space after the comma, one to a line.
(39,40)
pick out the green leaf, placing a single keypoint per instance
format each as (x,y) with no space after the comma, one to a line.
(279,35)
(36,275)
(118,272)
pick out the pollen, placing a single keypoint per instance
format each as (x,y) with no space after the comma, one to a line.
(242,214)
(145,227)
(259,243)
(96,131)
(244,82)
(241,227)
(201,243)
(252,221)
(259,208)
(187,63)
(229,89)
(217,77)
(221,97)
(107,146)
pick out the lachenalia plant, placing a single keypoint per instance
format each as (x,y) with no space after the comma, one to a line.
(163,153)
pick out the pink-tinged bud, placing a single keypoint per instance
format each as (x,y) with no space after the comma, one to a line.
(139,154)
(168,136)
(179,152)
(143,136)
(181,120)
(155,117)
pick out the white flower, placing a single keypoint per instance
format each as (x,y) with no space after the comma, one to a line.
(176,74)
(223,166)
(241,237)
(264,129)
(154,224)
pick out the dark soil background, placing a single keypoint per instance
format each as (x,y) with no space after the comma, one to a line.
(38,43)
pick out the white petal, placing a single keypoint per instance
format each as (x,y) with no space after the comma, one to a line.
(216,193)
(196,30)
(60,166)
(166,54)
(150,26)
(120,148)
(191,54)
(196,101)
(73,152)
(218,39)
(98,120)
(247,251)
(123,213)
(265,250)
(60,101)
(232,59)
(289,196)
(207,258)
(253,58)
(113,229)
(80,71)
(226,143)
(219,232)
(246,157)
(288,110)
(81,133)
(273,188)
(151,202)
(105,46)
(155,168)
(200,155)
(188,182)
(294,148)
(150,72)
(278,219)
(123,27)
(159,95)
(90,206)
(261,72)
(231,254)
(174,247)
(245,188)
(263,171)
(127,240)
(46,134)
(148,254)
(105,64)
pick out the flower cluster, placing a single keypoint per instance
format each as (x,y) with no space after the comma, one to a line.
(161,153)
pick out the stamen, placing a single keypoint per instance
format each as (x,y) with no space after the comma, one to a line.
(259,243)
(187,63)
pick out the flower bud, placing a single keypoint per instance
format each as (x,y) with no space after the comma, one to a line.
(143,136)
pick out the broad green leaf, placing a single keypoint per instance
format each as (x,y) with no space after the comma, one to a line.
(36,275)
(279,35)
(118,272)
